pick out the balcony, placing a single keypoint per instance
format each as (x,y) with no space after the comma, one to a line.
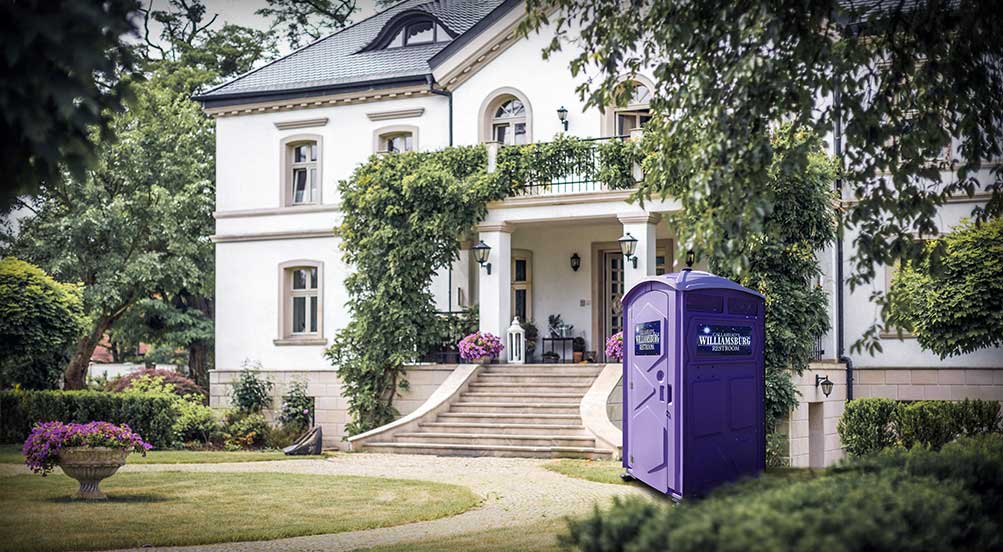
(571,165)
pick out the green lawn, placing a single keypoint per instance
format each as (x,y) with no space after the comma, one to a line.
(600,471)
(178,508)
(11,454)
(541,536)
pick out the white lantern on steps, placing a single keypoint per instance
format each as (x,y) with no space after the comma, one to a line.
(516,343)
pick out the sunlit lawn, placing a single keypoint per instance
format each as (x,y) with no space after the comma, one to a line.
(184,508)
(11,454)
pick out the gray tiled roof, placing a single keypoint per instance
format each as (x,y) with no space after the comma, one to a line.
(337,60)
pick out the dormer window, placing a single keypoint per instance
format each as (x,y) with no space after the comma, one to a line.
(420,31)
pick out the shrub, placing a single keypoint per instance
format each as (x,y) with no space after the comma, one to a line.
(151,416)
(898,500)
(193,420)
(866,425)
(250,392)
(40,320)
(244,430)
(297,407)
(869,425)
(182,385)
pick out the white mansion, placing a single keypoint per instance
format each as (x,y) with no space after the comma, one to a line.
(424,75)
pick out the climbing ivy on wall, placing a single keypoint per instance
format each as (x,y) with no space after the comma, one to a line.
(404,217)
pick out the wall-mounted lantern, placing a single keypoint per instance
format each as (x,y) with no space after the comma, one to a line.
(825,383)
(628,244)
(481,252)
(691,257)
(576,262)
(562,114)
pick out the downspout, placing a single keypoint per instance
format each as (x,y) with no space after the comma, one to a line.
(431,88)
(840,332)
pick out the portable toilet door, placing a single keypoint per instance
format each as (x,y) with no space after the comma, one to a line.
(651,381)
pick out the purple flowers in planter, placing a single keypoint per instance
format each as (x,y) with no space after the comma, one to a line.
(41,449)
(614,347)
(479,345)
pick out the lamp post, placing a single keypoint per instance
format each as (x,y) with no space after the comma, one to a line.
(562,114)
(628,244)
(481,253)
(825,383)
(576,262)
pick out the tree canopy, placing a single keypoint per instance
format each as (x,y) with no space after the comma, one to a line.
(958,307)
(307,19)
(917,88)
(61,68)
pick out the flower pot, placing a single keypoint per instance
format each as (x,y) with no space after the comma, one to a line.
(89,465)
(482,360)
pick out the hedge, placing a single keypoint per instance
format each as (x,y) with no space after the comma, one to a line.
(872,424)
(150,416)
(900,500)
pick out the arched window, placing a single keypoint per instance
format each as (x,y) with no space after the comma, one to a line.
(619,121)
(301,170)
(506,117)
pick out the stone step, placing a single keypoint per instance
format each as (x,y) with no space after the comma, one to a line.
(535,378)
(449,449)
(505,396)
(491,439)
(506,387)
(573,429)
(506,417)
(540,407)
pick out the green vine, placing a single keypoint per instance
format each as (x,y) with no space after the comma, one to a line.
(404,217)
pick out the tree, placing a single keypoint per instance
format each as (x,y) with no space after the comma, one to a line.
(308,18)
(40,320)
(61,67)
(135,225)
(958,307)
(911,79)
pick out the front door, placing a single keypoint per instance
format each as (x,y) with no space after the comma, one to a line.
(651,376)
(612,294)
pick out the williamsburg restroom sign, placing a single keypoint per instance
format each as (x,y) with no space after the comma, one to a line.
(648,338)
(724,340)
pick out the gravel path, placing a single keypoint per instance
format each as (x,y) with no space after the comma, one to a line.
(515,491)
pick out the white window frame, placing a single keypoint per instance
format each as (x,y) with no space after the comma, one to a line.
(288,166)
(611,115)
(382,135)
(286,335)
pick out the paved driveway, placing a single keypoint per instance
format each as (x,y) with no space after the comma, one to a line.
(515,491)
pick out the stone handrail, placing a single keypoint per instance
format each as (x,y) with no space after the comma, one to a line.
(593,409)
(438,402)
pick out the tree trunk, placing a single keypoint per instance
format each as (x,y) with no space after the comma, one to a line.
(75,376)
(198,363)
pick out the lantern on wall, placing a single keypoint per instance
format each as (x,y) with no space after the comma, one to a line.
(576,262)
(481,252)
(825,383)
(628,244)
(516,343)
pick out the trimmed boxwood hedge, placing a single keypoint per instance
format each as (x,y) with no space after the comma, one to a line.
(872,424)
(150,416)
(916,499)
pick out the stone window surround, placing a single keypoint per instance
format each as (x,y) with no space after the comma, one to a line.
(492,101)
(379,142)
(284,322)
(286,146)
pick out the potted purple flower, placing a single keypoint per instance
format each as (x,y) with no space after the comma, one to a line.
(86,452)
(480,347)
(614,347)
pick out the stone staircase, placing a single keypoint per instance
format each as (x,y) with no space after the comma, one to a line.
(529,410)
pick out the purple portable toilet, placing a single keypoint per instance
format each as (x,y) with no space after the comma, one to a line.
(693,388)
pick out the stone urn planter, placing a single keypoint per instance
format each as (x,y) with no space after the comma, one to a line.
(90,465)
(483,360)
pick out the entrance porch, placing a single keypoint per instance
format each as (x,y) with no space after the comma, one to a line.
(566,278)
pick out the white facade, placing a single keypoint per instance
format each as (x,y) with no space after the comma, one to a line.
(256,235)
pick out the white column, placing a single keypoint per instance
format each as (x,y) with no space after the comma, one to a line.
(642,227)
(495,289)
